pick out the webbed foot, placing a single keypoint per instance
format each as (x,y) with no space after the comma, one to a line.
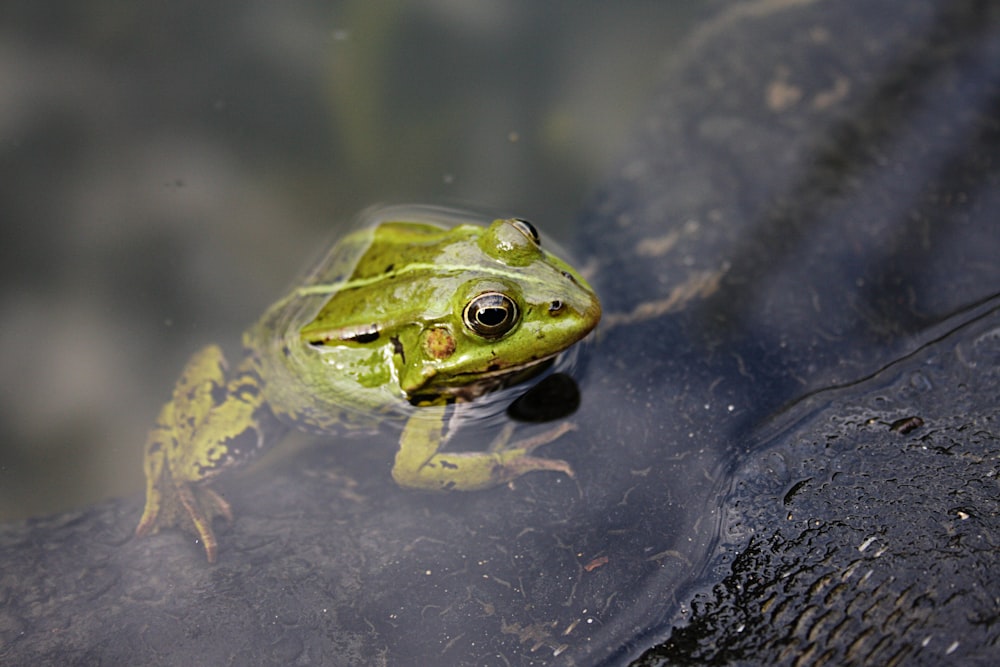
(419,463)
(175,504)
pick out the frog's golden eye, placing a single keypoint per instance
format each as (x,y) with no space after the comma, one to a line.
(527,229)
(491,314)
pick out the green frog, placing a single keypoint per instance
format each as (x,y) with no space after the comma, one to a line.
(403,321)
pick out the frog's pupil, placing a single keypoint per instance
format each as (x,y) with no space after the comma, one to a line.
(491,317)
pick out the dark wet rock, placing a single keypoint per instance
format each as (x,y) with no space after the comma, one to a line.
(846,541)
(826,176)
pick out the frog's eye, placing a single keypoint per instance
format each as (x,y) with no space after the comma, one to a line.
(527,229)
(491,314)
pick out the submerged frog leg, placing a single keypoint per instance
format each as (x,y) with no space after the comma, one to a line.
(421,465)
(210,424)
(502,441)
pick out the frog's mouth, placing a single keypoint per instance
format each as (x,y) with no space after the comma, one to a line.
(464,387)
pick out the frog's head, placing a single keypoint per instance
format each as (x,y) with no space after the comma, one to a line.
(512,308)
(431,311)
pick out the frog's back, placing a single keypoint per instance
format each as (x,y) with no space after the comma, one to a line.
(286,367)
(300,386)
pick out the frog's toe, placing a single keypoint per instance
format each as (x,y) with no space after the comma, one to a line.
(525,464)
(544,438)
(191,508)
(147,524)
(202,505)
(219,505)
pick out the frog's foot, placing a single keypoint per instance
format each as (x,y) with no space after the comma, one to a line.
(502,441)
(471,471)
(516,467)
(420,464)
(520,461)
(191,507)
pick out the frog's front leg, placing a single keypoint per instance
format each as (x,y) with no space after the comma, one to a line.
(421,465)
(211,423)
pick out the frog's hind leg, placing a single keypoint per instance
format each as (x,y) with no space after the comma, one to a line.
(419,463)
(171,502)
(215,421)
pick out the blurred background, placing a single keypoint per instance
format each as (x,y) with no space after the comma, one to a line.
(167,169)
